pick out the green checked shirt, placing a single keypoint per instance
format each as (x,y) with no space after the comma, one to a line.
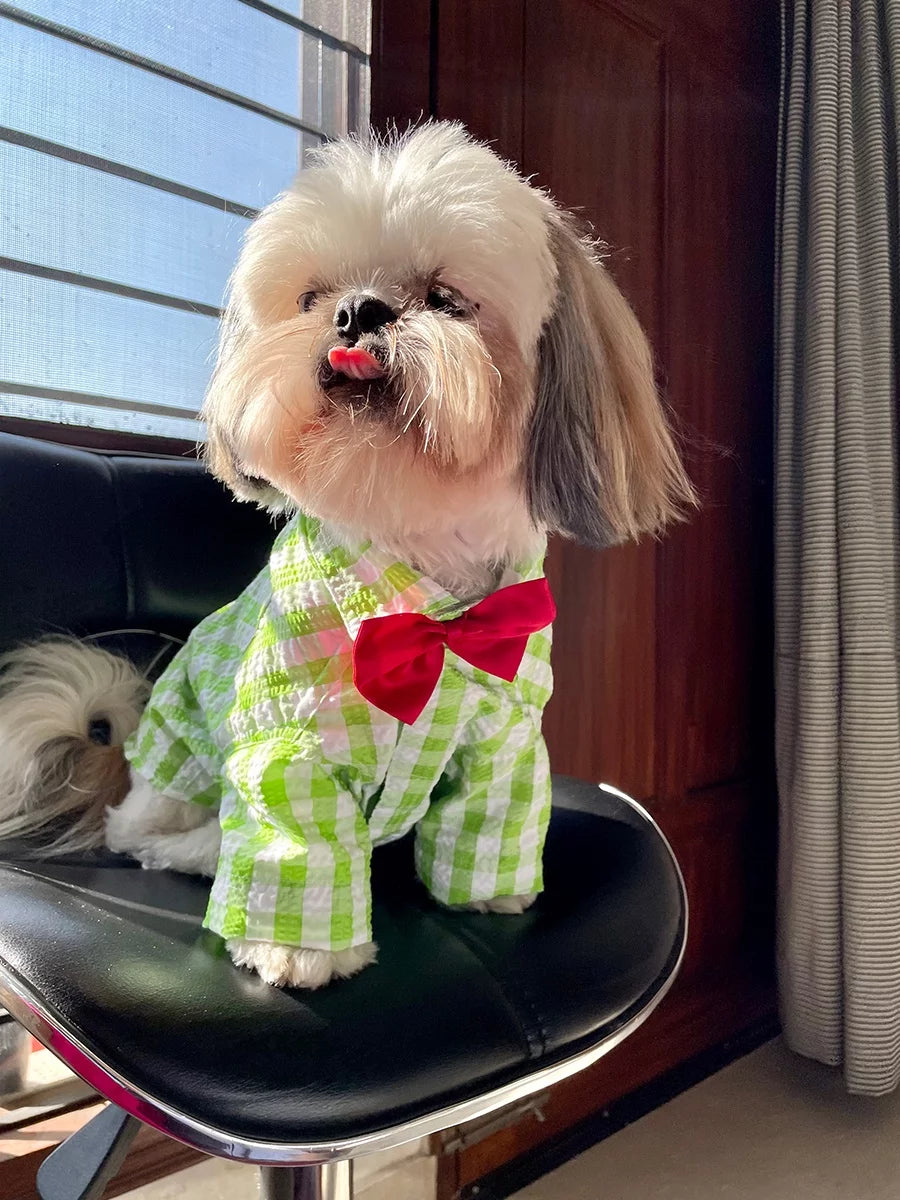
(257,716)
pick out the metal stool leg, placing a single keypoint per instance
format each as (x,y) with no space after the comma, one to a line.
(84,1164)
(326,1181)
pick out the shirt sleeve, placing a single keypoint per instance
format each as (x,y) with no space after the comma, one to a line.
(483,833)
(295,859)
(171,747)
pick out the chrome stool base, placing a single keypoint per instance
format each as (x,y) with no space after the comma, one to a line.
(323,1181)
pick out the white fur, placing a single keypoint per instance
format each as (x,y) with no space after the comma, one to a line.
(164,833)
(51,689)
(387,218)
(49,693)
(433,198)
(290,966)
(465,546)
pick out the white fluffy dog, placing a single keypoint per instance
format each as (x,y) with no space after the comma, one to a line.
(421,352)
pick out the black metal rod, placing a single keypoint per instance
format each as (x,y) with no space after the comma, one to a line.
(95,400)
(110,167)
(67,34)
(84,1164)
(77,279)
(327,39)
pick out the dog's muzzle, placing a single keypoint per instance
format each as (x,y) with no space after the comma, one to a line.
(359,320)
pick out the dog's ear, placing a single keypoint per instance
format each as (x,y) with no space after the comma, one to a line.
(601,464)
(220,410)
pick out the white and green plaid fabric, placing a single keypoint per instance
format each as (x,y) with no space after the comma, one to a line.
(258,716)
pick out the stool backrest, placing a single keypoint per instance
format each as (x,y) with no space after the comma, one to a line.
(92,542)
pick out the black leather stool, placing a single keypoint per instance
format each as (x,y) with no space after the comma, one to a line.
(108,965)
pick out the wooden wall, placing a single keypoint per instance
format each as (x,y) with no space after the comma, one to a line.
(656,118)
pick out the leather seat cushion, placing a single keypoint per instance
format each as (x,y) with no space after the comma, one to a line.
(458,1003)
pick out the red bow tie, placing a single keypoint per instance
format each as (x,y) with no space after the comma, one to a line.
(398,659)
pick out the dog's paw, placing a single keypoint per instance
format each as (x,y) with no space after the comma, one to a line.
(511,905)
(292,966)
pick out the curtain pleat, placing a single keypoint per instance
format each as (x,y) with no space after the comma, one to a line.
(838,538)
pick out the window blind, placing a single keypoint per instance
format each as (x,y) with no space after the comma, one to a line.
(137,140)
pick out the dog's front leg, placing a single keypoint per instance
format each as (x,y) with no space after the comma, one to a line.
(479,846)
(292,966)
(291,895)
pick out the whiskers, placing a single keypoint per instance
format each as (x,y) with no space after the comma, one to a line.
(449,385)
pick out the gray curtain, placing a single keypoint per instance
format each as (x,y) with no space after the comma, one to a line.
(838,537)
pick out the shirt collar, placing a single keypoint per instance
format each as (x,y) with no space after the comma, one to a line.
(367,581)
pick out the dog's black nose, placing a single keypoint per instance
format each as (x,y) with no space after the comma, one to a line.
(361,313)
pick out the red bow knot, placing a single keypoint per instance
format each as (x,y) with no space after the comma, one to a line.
(398,659)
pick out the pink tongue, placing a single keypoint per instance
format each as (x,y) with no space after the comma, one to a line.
(355,362)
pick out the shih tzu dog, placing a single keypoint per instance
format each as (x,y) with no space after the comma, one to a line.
(426,367)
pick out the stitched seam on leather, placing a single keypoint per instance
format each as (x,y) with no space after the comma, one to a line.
(526,1035)
(133,905)
(535,1035)
(127,571)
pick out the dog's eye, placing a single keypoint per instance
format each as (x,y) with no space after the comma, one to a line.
(307,300)
(444,300)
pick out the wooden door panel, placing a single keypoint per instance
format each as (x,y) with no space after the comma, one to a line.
(401,62)
(594,135)
(599,724)
(479,80)
(713,586)
(656,118)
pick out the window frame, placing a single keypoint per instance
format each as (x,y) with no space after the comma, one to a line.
(88,437)
(110,441)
